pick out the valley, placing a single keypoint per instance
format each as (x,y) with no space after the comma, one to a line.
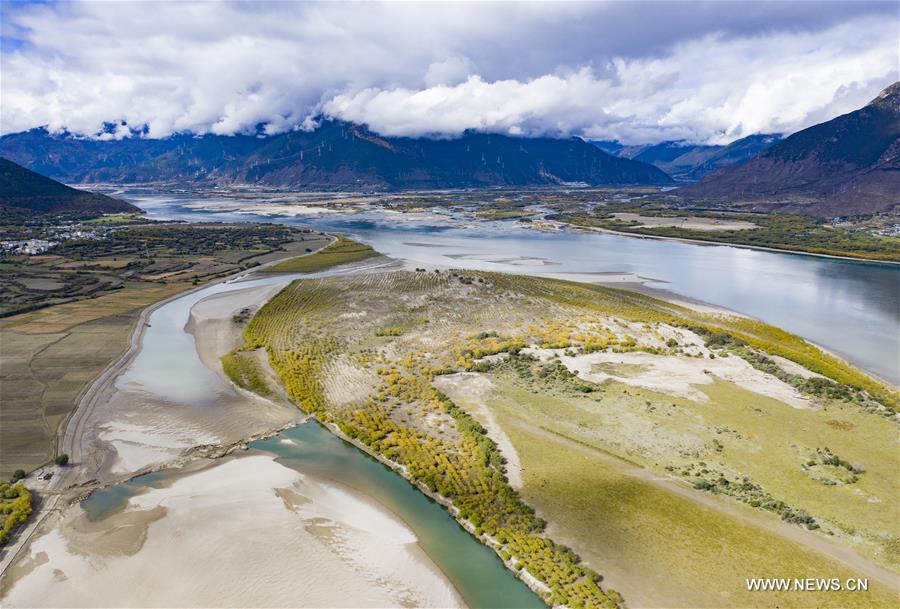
(518,305)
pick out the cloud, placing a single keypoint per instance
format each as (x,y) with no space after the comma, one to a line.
(639,72)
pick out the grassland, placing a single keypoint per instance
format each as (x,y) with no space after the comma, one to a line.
(115,219)
(503,214)
(757,455)
(668,549)
(49,355)
(341,251)
(761,446)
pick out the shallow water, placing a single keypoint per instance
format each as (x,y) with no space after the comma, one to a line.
(105,502)
(848,307)
(168,365)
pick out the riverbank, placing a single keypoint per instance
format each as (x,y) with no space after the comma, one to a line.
(211,320)
(760,248)
(849,307)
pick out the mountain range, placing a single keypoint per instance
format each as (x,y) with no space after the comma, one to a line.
(24,193)
(691,162)
(337,155)
(848,165)
(686,162)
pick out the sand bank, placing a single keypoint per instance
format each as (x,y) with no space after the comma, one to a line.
(676,375)
(212,325)
(303,542)
(687,222)
(133,427)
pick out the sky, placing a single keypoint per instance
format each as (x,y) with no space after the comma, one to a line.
(636,71)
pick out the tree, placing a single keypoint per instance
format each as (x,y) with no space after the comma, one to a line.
(62,459)
(18,474)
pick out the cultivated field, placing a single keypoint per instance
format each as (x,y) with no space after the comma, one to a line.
(760,456)
(48,356)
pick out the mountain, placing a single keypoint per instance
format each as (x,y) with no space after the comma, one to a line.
(24,192)
(336,155)
(609,146)
(848,165)
(687,162)
(695,164)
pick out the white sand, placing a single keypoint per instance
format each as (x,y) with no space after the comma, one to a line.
(137,446)
(503,259)
(793,367)
(680,375)
(243,532)
(215,334)
(601,277)
(687,222)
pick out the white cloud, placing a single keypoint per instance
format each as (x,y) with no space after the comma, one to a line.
(450,71)
(703,72)
(711,89)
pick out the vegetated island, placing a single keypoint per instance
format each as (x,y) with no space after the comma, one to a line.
(341,251)
(645,211)
(512,400)
(866,238)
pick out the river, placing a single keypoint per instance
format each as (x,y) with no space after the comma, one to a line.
(169,367)
(846,306)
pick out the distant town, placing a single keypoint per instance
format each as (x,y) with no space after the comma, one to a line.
(46,238)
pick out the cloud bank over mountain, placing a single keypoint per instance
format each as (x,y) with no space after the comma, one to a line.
(701,71)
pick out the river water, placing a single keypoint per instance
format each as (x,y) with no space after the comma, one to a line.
(168,366)
(848,307)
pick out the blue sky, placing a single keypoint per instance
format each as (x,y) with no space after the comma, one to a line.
(635,71)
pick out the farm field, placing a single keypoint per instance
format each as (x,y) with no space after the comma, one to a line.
(764,441)
(51,354)
(93,260)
